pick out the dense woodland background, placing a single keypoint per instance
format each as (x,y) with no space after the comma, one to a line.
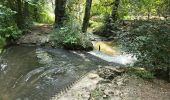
(141,27)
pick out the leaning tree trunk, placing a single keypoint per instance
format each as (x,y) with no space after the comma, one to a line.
(60,12)
(114,15)
(86,15)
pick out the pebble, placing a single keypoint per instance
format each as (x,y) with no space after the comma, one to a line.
(92,76)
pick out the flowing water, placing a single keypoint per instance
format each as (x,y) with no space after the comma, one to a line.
(110,52)
(35,73)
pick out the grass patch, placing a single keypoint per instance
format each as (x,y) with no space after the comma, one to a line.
(141,72)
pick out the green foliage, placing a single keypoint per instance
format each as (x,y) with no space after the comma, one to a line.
(149,42)
(95,24)
(75,9)
(41,11)
(70,36)
(101,7)
(46,17)
(66,35)
(133,9)
(10,32)
(8,28)
(109,27)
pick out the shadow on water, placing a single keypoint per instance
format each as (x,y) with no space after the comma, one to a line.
(35,73)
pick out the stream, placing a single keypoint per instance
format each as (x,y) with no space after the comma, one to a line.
(37,73)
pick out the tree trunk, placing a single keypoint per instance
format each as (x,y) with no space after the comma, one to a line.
(35,11)
(20,15)
(86,15)
(60,12)
(36,14)
(26,10)
(114,15)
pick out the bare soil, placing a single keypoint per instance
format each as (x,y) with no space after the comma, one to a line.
(127,87)
(120,87)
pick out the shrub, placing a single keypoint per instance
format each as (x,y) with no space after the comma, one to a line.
(70,37)
(109,27)
(149,42)
(8,28)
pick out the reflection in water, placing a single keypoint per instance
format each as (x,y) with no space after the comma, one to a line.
(31,73)
(107,47)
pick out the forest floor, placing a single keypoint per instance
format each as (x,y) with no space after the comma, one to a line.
(94,86)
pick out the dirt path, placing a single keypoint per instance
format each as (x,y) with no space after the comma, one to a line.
(38,35)
(127,87)
(121,87)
